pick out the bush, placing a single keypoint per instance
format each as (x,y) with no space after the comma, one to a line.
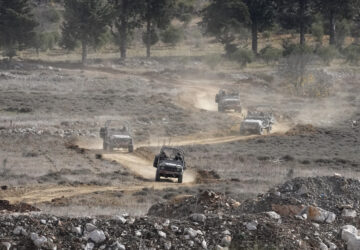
(317,30)
(270,54)
(295,49)
(154,38)
(172,35)
(243,56)
(352,54)
(327,54)
(342,31)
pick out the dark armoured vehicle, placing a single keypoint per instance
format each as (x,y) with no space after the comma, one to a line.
(170,163)
(228,101)
(257,123)
(116,137)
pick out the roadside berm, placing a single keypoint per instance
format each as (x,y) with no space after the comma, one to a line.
(303,213)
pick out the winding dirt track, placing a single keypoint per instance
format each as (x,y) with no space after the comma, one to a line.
(194,95)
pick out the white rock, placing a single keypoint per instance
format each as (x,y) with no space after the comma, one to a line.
(348,213)
(204,244)
(174,228)
(226,241)
(77,230)
(97,236)
(43,222)
(198,217)
(317,226)
(219,247)
(322,246)
(226,232)
(273,215)
(166,223)
(349,234)
(90,227)
(7,245)
(162,234)
(191,232)
(119,246)
(38,240)
(167,245)
(121,219)
(138,233)
(20,230)
(251,226)
(89,246)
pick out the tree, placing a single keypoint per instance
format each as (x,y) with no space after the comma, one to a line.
(127,17)
(223,19)
(172,35)
(334,10)
(262,16)
(85,21)
(296,14)
(184,10)
(157,14)
(17,25)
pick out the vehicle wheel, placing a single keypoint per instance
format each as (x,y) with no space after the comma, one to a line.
(131,148)
(261,131)
(157,176)
(180,179)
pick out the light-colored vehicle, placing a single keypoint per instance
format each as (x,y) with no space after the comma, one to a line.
(228,101)
(116,137)
(257,123)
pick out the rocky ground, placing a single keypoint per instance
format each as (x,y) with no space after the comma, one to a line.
(303,213)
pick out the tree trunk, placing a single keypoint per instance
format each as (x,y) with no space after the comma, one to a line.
(84,52)
(123,29)
(254,31)
(332,29)
(302,22)
(123,39)
(148,38)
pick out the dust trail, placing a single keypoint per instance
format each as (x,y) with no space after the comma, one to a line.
(142,167)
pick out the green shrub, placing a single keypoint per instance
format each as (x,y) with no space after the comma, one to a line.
(295,49)
(342,31)
(172,35)
(154,38)
(270,54)
(317,30)
(352,54)
(327,54)
(243,56)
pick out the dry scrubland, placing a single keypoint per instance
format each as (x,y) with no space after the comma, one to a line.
(52,110)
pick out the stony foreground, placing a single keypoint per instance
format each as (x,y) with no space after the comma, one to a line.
(304,213)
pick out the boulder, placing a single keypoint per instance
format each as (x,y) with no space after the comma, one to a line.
(198,217)
(349,213)
(350,234)
(97,236)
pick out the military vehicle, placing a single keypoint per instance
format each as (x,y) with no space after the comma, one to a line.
(170,163)
(228,101)
(116,137)
(257,123)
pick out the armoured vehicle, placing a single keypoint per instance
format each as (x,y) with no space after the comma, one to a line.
(228,101)
(116,137)
(257,123)
(170,163)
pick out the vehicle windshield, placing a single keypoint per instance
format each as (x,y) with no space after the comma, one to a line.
(171,154)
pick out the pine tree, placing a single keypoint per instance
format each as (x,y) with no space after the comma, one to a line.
(157,14)
(127,17)
(86,22)
(16,25)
